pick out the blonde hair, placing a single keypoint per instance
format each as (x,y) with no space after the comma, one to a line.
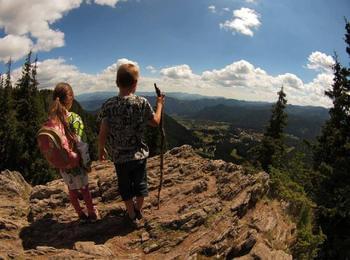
(62,97)
(127,75)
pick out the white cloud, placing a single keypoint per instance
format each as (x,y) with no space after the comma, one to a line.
(226,9)
(239,80)
(243,21)
(291,81)
(178,72)
(125,61)
(212,8)
(111,3)
(251,1)
(15,47)
(240,73)
(151,69)
(52,71)
(242,80)
(320,84)
(320,62)
(31,20)
(114,67)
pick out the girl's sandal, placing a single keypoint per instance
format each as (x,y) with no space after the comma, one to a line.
(83,218)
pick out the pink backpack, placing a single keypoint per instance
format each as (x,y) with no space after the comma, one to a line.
(53,144)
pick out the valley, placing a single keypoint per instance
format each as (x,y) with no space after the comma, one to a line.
(220,128)
(219,140)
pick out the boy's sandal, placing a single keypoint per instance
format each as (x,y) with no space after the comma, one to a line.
(138,213)
(129,221)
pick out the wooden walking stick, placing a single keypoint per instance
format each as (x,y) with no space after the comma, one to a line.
(162,141)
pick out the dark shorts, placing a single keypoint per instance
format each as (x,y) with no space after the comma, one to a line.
(132,179)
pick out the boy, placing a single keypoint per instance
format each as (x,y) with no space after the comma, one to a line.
(123,122)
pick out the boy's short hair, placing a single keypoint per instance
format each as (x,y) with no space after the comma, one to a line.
(127,75)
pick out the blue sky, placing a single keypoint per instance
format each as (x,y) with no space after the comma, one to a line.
(243,49)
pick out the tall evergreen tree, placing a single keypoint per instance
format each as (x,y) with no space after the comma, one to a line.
(271,149)
(278,118)
(288,181)
(34,80)
(1,82)
(332,160)
(23,92)
(8,83)
(30,115)
(8,136)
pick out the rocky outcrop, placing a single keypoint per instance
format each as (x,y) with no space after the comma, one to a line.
(208,209)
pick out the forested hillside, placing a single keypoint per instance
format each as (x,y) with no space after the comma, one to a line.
(319,193)
(304,121)
(23,109)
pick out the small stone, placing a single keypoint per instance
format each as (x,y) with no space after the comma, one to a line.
(151,248)
(7,236)
(166,250)
(144,237)
(207,209)
(7,224)
(46,249)
(92,249)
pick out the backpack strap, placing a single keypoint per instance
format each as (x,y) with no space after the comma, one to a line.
(56,138)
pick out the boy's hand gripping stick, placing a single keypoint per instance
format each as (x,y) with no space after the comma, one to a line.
(162,141)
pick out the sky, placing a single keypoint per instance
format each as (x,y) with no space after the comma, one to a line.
(242,49)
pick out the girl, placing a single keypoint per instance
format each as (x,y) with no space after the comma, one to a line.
(72,126)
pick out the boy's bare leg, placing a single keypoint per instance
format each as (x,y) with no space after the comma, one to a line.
(139,203)
(129,204)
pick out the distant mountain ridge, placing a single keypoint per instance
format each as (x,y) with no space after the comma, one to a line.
(107,94)
(93,101)
(303,121)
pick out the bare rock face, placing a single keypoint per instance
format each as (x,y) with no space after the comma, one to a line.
(208,209)
(13,185)
(14,208)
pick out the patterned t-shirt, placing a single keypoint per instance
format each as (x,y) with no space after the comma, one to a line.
(127,118)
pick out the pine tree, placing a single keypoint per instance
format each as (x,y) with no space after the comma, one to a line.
(23,92)
(8,83)
(271,149)
(34,80)
(30,115)
(8,136)
(1,83)
(332,160)
(278,118)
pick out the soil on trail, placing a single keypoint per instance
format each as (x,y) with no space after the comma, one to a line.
(208,209)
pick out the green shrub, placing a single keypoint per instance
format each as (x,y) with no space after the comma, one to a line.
(309,237)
